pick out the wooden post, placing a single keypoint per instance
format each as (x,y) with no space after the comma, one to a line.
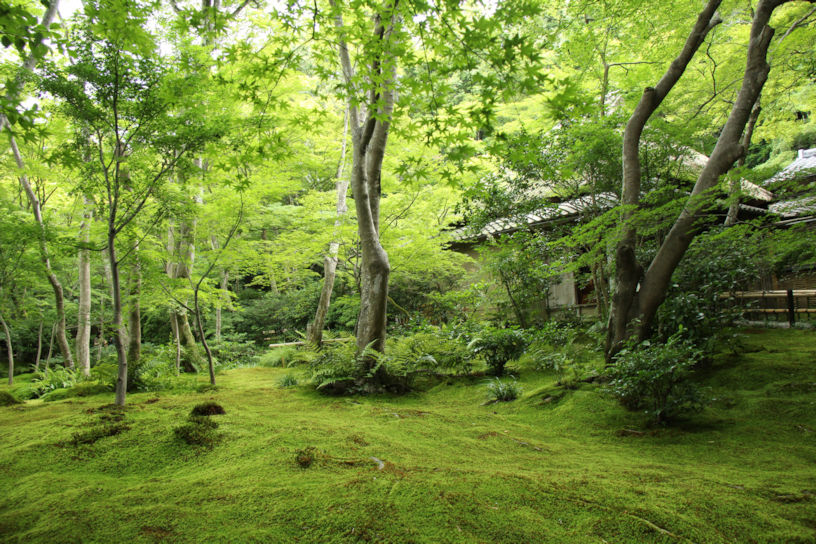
(791,310)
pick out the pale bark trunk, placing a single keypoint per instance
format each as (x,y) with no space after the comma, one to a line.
(62,339)
(39,348)
(50,346)
(121,336)
(642,303)
(177,338)
(9,349)
(369,138)
(219,304)
(180,269)
(210,363)
(83,336)
(314,331)
(135,314)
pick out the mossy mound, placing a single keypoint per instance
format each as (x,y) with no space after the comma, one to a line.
(7,399)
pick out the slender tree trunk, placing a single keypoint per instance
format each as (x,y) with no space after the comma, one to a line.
(39,347)
(135,314)
(177,338)
(50,346)
(9,349)
(62,339)
(219,304)
(314,330)
(179,268)
(121,336)
(83,336)
(210,363)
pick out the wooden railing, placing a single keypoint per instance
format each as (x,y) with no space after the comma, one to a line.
(790,303)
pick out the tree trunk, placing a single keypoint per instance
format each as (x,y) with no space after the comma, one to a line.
(179,268)
(50,346)
(177,338)
(9,349)
(314,331)
(219,304)
(734,193)
(120,338)
(369,139)
(39,348)
(640,302)
(135,315)
(59,297)
(210,364)
(83,336)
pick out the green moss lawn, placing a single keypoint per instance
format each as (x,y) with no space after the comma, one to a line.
(435,466)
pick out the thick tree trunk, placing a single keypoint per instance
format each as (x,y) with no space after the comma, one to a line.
(83,336)
(50,346)
(734,193)
(62,339)
(639,302)
(177,339)
(314,331)
(369,139)
(210,363)
(9,349)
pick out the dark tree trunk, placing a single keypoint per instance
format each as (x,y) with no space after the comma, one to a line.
(638,298)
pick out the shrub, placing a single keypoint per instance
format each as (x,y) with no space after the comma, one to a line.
(82,389)
(656,378)
(209,408)
(503,390)
(233,351)
(287,380)
(277,356)
(432,351)
(336,369)
(198,433)
(498,346)
(7,399)
(55,378)
(93,434)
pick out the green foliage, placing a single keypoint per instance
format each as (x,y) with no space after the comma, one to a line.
(285,356)
(53,379)
(433,351)
(81,389)
(499,346)
(287,380)
(503,390)
(336,369)
(719,261)
(233,351)
(657,379)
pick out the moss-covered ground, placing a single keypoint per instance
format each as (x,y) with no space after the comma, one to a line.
(436,466)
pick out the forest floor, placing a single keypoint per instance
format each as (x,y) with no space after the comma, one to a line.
(436,466)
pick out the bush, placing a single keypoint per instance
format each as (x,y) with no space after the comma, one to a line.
(198,433)
(55,378)
(336,369)
(503,390)
(82,389)
(7,399)
(207,409)
(498,346)
(287,380)
(432,351)
(657,379)
(277,356)
(233,351)
(93,434)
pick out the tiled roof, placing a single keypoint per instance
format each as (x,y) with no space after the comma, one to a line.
(804,164)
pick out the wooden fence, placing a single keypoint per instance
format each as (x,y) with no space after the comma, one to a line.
(791,304)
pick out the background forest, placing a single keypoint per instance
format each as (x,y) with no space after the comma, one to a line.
(184,185)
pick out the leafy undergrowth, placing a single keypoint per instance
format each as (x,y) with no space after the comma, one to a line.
(555,465)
